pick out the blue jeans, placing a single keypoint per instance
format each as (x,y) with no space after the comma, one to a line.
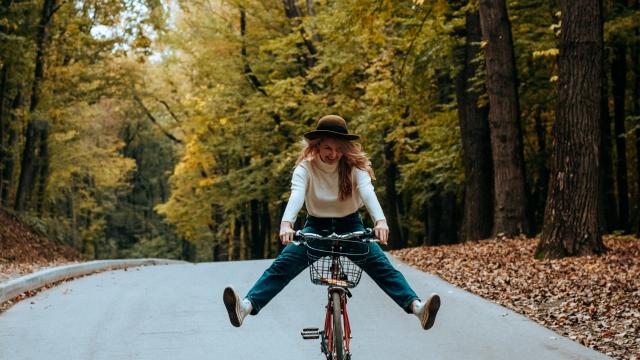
(293,260)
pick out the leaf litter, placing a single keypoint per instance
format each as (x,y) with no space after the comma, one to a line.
(593,300)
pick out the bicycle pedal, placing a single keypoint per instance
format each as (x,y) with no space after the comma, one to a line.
(310,333)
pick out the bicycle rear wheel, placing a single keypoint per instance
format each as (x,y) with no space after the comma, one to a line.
(338,339)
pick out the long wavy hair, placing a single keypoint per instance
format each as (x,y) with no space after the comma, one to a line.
(352,156)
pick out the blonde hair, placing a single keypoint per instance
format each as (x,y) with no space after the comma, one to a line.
(352,156)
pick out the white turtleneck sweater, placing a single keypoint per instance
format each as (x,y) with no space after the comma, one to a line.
(316,185)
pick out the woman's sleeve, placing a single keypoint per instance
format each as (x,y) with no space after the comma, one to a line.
(368,196)
(296,199)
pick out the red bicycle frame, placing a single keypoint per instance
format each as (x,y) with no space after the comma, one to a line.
(328,323)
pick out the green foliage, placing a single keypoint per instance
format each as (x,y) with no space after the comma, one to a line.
(168,120)
(380,73)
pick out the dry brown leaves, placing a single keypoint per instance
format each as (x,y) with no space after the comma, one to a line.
(594,300)
(20,244)
(23,252)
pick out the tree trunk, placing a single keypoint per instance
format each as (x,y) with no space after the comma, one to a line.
(245,234)
(10,158)
(4,126)
(571,216)
(442,218)
(434,214)
(608,208)
(424,240)
(449,234)
(477,218)
(392,210)
(187,250)
(27,168)
(540,193)
(43,167)
(257,241)
(48,8)
(510,213)
(265,230)
(235,239)
(635,60)
(28,171)
(619,77)
(3,92)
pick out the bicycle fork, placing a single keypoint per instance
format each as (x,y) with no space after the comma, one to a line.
(326,335)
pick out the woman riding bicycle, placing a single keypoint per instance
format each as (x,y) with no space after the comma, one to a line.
(333,179)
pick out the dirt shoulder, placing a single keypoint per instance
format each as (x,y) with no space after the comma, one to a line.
(594,300)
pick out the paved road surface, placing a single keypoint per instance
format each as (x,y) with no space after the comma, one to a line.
(176,312)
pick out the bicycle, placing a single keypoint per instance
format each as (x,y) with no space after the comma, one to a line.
(334,262)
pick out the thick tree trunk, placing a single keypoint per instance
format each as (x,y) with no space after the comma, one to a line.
(608,208)
(28,171)
(510,212)
(619,77)
(392,210)
(48,8)
(27,168)
(477,218)
(571,216)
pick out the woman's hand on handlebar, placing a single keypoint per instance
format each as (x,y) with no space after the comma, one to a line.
(286,232)
(381,230)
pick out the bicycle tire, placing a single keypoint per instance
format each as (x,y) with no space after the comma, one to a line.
(338,340)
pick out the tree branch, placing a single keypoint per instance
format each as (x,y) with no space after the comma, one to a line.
(404,61)
(153,120)
(169,110)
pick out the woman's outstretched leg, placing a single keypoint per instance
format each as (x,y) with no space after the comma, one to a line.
(394,284)
(284,268)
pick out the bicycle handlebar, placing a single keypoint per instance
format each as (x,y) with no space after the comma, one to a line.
(365,236)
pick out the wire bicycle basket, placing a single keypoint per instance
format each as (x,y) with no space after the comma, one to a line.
(336,263)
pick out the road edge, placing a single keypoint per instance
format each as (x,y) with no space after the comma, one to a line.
(17,286)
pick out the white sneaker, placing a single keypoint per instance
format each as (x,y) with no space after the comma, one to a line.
(427,311)
(236,309)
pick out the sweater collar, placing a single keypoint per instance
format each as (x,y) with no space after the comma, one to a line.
(324,167)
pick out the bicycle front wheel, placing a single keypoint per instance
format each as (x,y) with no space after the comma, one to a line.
(338,339)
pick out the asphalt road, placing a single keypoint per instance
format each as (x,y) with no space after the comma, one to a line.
(176,312)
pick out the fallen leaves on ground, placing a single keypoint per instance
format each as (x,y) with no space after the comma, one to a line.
(594,300)
(22,251)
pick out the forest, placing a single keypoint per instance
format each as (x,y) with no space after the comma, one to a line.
(149,128)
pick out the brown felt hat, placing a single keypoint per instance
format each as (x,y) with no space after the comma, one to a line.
(331,126)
